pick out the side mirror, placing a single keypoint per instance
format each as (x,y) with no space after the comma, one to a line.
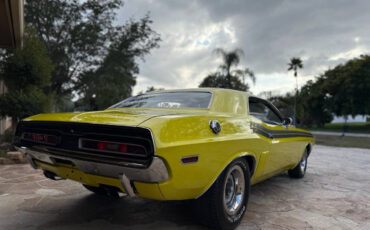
(287,121)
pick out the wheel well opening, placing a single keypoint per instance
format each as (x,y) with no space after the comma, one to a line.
(308,147)
(251,163)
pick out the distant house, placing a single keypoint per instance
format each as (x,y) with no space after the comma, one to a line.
(350,119)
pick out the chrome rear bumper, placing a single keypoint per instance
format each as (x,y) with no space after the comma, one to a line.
(156,172)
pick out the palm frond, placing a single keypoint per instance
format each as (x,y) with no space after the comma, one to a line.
(295,63)
(220,51)
(239,52)
(241,73)
(251,75)
(238,73)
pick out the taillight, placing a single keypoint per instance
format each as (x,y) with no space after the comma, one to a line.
(111,147)
(40,138)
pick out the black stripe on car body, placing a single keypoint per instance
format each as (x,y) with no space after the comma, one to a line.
(259,129)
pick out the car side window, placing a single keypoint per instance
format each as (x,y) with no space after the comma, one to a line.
(262,110)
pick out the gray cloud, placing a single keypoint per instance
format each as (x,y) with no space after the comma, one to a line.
(322,33)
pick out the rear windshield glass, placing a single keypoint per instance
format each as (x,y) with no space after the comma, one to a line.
(167,100)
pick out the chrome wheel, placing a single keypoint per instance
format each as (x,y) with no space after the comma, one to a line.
(234,189)
(224,204)
(303,163)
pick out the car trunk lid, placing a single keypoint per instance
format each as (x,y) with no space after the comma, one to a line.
(126,117)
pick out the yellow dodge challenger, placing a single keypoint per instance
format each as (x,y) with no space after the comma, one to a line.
(207,145)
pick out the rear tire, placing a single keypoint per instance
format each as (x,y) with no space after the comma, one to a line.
(224,204)
(300,170)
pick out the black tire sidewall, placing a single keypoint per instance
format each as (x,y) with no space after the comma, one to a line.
(227,221)
(297,172)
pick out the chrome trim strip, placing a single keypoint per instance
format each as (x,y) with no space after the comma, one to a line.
(254,170)
(211,100)
(90,156)
(151,134)
(156,172)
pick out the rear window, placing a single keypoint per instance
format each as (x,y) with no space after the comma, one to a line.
(200,100)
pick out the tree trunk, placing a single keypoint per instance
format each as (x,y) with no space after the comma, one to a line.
(229,81)
(14,123)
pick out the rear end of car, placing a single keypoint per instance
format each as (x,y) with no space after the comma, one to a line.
(110,149)
(176,145)
(114,156)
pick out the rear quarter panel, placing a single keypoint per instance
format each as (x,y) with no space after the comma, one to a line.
(176,137)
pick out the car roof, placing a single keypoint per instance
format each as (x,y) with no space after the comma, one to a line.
(212,90)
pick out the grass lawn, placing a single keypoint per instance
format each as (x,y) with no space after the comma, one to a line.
(338,141)
(356,127)
(3,153)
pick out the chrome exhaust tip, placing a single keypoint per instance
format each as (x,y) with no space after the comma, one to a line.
(52,176)
(126,184)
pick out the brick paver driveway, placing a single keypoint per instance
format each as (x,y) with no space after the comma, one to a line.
(335,194)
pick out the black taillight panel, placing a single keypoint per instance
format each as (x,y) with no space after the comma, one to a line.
(68,136)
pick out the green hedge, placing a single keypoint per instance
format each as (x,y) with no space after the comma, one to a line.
(356,127)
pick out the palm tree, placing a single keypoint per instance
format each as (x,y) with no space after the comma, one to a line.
(246,72)
(295,64)
(230,59)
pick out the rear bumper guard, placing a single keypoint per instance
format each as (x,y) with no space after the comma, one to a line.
(156,172)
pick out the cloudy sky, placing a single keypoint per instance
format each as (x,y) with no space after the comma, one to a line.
(322,33)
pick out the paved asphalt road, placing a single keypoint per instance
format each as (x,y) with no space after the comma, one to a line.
(335,194)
